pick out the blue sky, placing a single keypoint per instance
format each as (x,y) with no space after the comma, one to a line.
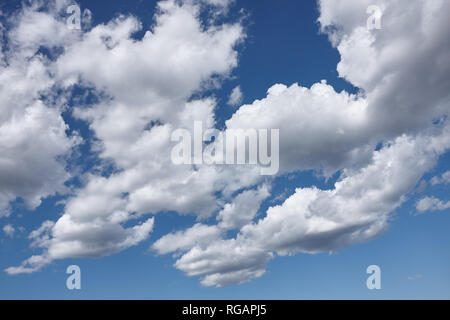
(283,44)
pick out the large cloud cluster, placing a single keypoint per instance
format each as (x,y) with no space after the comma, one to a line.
(33,139)
(148,84)
(402,72)
(381,140)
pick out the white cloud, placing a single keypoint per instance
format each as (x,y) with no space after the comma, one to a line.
(9,230)
(33,139)
(385,63)
(149,84)
(243,209)
(32,145)
(41,235)
(73,239)
(236,97)
(30,265)
(431,204)
(325,130)
(314,220)
(35,28)
(198,235)
(443,179)
(225,262)
(319,128)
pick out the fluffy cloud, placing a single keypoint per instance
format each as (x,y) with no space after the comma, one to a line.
(325,130)
(385,63)
(443,179)
(314,220)
(198,235)
(73,239)
(147,88)
(236,97)
(243,209)
(147,85)
(225,262)
(9,230)
(431,204)
(319,128)
(330,131)
(35,28)
(33,135)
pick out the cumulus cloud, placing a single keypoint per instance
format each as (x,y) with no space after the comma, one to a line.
(198,235)
(71,239)
(325,130)
(236,97)
(431,204)
(385,63)
(319,128)
(9,230)
(442,179)
(30,265)
(133,126)
(33,135)
(340,133)
(148,89)
(243,209)
(225,262)
(314,220)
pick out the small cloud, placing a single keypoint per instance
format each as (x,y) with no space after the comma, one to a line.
(443,179)
(431,204)
(9,230)
(236,97)
(417,276)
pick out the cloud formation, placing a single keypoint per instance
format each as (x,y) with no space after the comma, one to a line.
(342,132)
(442,179)
(34,143)
(236,97)
(9,230)
(431,204)
(314,220)
(132,123)
(381,140)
